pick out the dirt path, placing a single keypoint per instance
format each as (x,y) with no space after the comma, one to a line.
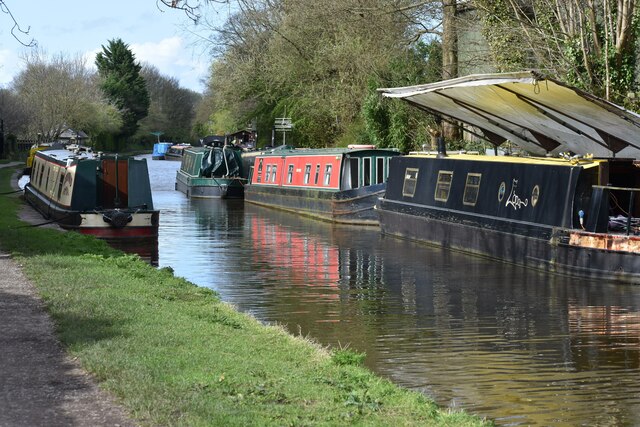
(40,385)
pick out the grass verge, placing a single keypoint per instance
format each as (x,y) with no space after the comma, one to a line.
(174,354)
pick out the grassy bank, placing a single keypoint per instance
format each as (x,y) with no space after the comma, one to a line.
(174,354)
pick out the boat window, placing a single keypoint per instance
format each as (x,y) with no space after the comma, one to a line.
(327,174)
(41,175)
(60,182)
(471,189)
(274,171)
(34,173)
(307,173)
(259,170)
(46,180)
(290,174)
(354,166)
(366,171)
(267,175)
(410,181)
(379,170)
(443,186)
(315,180)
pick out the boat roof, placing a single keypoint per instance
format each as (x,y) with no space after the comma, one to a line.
(291,151)
(537,113)
(585,162)
(64,154)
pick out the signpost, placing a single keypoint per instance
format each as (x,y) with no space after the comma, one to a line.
(284,125)
(157,133)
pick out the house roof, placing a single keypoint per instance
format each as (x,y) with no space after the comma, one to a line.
(539,114)
(70,133)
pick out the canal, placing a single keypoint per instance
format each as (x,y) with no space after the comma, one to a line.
(514,345)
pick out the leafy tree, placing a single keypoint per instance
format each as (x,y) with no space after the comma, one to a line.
(13,113)
(393,124)
(312,63)
(171,108)
(590,44)
(123,84)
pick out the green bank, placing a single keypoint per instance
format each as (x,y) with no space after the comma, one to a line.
(174,354)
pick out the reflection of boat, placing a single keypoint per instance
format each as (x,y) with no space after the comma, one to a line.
(309,260)
(339,184)
(108,196)
(160,150)
(547,213)
(211,172)
(176,151)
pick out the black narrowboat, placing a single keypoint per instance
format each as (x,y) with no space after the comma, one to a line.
(567,211)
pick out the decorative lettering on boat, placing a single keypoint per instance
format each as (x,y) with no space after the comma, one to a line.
(67,184)
(514,200)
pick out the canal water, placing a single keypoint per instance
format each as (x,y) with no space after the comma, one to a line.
(514,345)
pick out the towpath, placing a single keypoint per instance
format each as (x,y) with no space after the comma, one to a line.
(40,385)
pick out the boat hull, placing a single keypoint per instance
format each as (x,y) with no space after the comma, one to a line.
(543,248)
(210,188)
(142,223)
(354,206)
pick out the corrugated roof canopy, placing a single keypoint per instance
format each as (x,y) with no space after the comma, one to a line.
(539,114)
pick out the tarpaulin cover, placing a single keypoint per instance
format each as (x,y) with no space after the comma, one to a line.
(539,114)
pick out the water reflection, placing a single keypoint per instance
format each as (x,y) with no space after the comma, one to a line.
(514,345)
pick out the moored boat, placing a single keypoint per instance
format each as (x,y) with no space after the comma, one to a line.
(175,152)
(106,195)
(211,172)
(38,147)
(160,150)
(572,213)
(335,184)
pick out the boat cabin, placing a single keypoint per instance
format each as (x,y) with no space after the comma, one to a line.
(82,181)
(322,169)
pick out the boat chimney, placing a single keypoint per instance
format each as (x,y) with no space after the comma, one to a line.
(442,147)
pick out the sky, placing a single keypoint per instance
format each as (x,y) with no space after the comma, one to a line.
(155,34)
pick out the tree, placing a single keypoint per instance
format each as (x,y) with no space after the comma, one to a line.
(314,63)
(171,108)
(123,84)
(61,92)
(13,113)
(590,44)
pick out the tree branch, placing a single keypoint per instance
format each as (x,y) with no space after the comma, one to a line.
(16,27)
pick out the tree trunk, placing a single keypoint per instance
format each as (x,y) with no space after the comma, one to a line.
(449,57)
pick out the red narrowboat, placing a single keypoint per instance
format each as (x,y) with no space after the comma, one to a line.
(339,185)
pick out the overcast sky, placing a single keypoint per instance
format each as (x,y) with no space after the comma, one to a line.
(155,34)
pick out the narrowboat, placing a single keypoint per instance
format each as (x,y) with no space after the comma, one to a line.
(34,149)
(570,207)
(175,152)
(335,184)
(211,172)
(106,195)
(160,150)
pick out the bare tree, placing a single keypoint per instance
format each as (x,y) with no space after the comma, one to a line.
(590,43)
(59,93)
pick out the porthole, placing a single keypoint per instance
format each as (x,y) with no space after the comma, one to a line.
(501,191)
(535,195)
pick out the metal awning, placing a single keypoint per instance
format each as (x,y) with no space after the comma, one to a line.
(539,114)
